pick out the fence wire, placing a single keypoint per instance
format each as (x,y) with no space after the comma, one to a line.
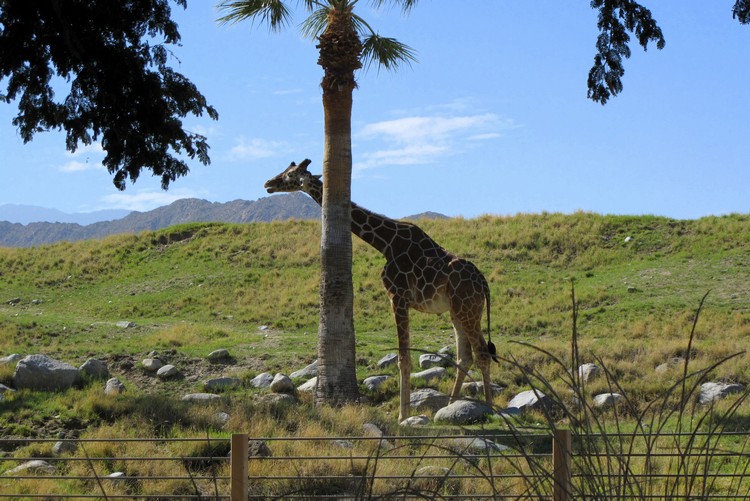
(461,466)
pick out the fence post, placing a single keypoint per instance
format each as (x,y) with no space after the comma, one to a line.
(239,467)
(561,465)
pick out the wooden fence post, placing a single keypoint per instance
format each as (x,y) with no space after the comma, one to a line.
(239,467)
(561,465)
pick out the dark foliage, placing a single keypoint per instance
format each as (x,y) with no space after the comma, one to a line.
(113,58)
(741,11)
(616,19)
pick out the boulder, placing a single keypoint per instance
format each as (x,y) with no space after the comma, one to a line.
(308,372)
(39,372)
(218,355)
(152,364)
(282,384)
(64,446)
(588,372)
(308,385)
(529,399)
(94,369)
(388,360)
(114,387)
(373,383)
(414,421)
(606,400)
(427,398)
(476,389)
(430,374)
(222,383)
(200,397)
(477,445)
(34,467)
(464,412)
(428,360)
(263,380)
(125,324)
(710,392)
(167,371)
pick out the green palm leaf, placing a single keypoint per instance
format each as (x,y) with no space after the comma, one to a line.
(386,52)
(274,13)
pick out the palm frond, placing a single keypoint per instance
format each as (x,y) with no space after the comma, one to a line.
(274,13)
(316,23)
(406,5)
(388,53)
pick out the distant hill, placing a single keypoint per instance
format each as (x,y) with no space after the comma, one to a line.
(189,210)
(25,214)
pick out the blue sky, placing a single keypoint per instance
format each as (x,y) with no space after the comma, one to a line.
(492,119)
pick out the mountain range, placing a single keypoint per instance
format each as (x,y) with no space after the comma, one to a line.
(187,210)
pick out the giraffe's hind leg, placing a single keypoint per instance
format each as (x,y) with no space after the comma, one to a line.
(464,359)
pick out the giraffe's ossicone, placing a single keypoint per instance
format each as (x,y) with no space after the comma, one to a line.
(418,274)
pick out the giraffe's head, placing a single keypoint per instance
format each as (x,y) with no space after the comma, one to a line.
(292,179)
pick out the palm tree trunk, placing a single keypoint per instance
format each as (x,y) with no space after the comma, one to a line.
(337,382)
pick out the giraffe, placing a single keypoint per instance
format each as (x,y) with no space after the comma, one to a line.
(418,274)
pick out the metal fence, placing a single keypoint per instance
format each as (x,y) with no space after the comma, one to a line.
(559,465)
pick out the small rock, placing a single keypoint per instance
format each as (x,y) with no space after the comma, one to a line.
(34,467)
(220,354)
(64,446)
(36,301)
(263,380)
(631,289)
(420,420)
(14,301)
(94,369)
(116,474)
(427,398)
(222,418)
(308,372)
(258,449)
(587,372)
(606,400)
(167,371)
(114,387)
(222,383)
(477,445)
(464,412)
(428,360)
(308,385)
(628,239)
(262,328)
(282,384)
(10,359)
(200,397)
(344,444)
(4,388)
(152,364)
(387,361)
(710,392)
(281,400)
(373,383)
(529,399)
(476,388)
(430,374)
(124,324)
(371,430)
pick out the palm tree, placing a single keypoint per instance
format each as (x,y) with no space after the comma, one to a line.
(346,43)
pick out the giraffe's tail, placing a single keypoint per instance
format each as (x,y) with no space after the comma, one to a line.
(490,345)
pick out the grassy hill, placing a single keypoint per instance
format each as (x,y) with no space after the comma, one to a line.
(638,281)
(253,288)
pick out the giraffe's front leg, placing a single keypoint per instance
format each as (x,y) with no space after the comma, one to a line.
(401,314)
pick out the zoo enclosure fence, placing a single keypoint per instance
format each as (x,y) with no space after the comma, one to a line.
(544,467)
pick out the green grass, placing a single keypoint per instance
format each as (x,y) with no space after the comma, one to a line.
(198,287)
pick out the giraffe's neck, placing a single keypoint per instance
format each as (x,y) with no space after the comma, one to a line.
(375,229)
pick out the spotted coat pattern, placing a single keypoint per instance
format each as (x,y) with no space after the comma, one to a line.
(418,274)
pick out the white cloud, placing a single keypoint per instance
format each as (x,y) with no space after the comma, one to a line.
(252,149)
(143,201)
(423,138)
(86,157)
